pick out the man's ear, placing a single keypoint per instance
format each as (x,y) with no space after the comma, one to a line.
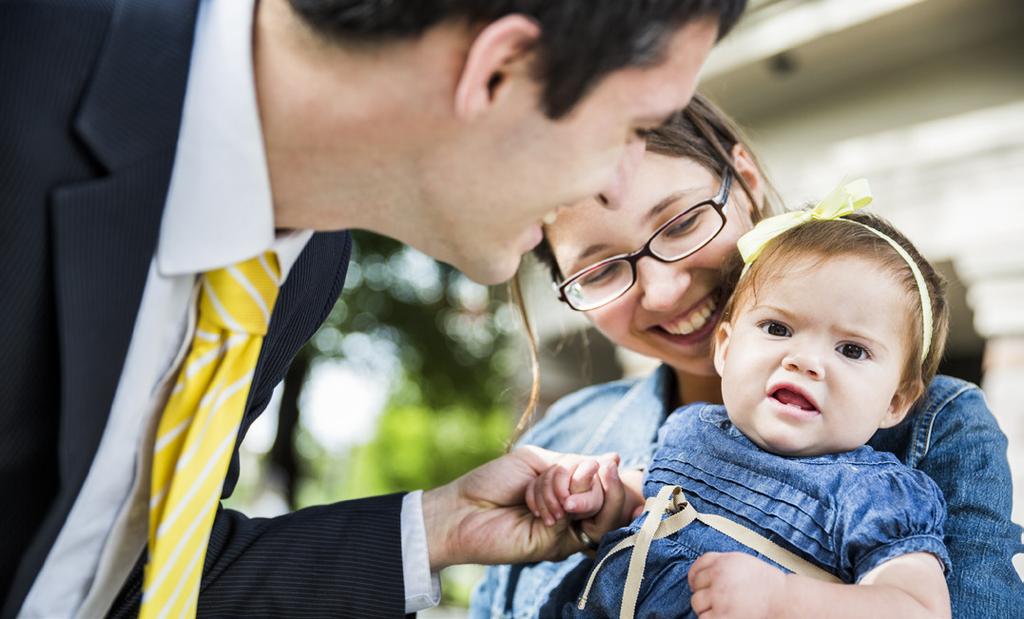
(502,46)
(900,405)
(722,335)
(747,168)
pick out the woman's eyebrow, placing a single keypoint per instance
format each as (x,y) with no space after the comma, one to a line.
(586,253)
(668,201)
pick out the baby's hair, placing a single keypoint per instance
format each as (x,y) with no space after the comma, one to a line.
(825,240)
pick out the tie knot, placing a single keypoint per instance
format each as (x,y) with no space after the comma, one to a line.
(240,297)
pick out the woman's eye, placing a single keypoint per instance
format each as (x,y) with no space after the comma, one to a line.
(853,351)
(596,277)
(682,227)
(776,329)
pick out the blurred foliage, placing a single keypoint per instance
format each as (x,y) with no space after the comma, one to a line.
(447,345)
(448,348)
(420,444)
(450,336)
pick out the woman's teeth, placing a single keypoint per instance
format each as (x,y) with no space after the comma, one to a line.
(696,319)
(551,217)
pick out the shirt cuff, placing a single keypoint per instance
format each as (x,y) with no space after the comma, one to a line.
(422,587)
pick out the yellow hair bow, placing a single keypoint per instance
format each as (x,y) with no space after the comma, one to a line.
(843,200)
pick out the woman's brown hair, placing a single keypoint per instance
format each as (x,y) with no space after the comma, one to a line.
(700,132)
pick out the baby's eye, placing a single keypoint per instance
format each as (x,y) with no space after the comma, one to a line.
(853,351)
(776,329)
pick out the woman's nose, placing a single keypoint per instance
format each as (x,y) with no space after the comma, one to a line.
(805,363)
(618,188)
(663,285)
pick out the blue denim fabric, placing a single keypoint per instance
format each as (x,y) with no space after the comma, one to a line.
(848,512)
(951,436)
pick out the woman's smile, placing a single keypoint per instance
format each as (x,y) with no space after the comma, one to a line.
(693,325)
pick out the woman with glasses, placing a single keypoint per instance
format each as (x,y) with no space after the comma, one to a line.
(648,276)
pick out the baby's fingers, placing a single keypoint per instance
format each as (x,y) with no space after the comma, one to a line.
(556,477)
(583,477)
(586,504)
(701,573)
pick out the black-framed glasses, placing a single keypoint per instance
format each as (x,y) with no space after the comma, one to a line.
(686,233)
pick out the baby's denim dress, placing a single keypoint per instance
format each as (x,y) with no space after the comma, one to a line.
(848,513)
(951,435)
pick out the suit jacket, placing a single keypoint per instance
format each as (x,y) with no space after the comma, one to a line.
(91,95)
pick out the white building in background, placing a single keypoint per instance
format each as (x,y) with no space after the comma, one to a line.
(925,98)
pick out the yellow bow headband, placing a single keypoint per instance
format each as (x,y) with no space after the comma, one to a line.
(843,200)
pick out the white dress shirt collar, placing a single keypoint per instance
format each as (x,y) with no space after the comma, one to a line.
(219,207)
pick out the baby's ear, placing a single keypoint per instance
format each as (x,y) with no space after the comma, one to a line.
(900,405)
(722,335)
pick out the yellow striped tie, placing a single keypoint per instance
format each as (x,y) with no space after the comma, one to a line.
(198,429)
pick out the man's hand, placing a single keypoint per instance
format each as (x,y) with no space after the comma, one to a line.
(734,584)
(483,516)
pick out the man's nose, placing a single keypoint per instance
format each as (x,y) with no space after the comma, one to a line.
(806,363)
(615,193)
(662,284)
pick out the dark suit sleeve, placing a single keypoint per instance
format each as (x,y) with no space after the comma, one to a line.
(340,560)
(350,556)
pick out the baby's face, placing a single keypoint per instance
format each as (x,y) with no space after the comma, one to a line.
(811,364)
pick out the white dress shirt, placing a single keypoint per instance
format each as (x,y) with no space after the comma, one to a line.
(219,211)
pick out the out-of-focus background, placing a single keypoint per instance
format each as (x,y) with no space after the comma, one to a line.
(419,373)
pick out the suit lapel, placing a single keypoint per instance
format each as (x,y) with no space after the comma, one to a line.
(105,232)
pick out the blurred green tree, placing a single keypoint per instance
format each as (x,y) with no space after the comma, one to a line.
(453,358)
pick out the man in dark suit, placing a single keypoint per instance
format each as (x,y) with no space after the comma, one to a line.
(143,144)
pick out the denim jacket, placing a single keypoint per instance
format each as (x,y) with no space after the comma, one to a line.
(951,436)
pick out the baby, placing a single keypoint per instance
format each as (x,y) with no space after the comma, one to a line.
(772,505)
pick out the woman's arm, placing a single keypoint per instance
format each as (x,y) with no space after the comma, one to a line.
(963,450)
(737,585)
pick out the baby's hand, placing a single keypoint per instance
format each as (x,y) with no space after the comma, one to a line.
(734,584)
(570,488)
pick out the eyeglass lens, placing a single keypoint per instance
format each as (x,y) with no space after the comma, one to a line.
(682,236)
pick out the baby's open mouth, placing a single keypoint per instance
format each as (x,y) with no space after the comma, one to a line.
(792,397)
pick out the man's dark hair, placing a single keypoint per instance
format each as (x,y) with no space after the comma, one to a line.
(581,41)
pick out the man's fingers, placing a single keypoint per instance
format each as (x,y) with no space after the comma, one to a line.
(537,458)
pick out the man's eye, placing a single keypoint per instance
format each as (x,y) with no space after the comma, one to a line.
(853,351)
(776,329)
